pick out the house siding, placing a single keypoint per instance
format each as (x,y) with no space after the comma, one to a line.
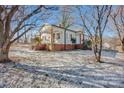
(60,44)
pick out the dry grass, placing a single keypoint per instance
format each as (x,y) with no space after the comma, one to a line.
(21,45)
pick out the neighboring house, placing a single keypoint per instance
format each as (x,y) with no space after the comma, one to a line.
(106,45)
(58,38)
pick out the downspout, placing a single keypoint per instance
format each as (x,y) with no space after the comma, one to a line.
(83,39)
(65,39)
(52,43)
(80,38)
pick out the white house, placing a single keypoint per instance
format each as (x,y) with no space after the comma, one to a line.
(58,38)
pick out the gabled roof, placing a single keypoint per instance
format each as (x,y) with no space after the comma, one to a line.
(65,28)
(60,28)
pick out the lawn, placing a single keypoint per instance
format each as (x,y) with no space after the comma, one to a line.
(66,69)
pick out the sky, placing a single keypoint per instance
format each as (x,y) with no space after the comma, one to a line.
(54,20)
(55,15)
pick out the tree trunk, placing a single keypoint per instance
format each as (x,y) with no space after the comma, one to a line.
(98,58)
(4,52)
(18,36)
(122,44)
(97,53)
(100,51)
(25,39)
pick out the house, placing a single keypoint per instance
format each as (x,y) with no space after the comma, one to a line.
(58,38)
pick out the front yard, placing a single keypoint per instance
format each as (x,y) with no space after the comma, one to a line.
(61,69)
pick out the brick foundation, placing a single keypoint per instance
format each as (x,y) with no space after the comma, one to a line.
(67,46)
(79,46)
(39,47)
(59,47)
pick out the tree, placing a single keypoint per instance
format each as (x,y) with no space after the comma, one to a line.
(94,23)
(13,21)
(118,21)
(66,19)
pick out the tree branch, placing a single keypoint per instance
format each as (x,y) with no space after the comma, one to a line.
(21,35)
(8,20)
(24,19)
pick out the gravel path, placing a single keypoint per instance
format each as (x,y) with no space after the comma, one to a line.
(61,69)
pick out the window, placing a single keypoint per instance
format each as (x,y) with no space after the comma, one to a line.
(53,35)
(58,36)
(71,36)
(44,37)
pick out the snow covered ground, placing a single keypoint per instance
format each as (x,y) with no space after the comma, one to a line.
(61,69)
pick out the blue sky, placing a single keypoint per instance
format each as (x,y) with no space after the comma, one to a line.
(55,14)
(53,20)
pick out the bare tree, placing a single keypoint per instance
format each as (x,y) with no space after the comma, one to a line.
(12,22)
(66,19)
(118,21)
(94,23)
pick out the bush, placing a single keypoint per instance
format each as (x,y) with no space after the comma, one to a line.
(37,40)
(87,44)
